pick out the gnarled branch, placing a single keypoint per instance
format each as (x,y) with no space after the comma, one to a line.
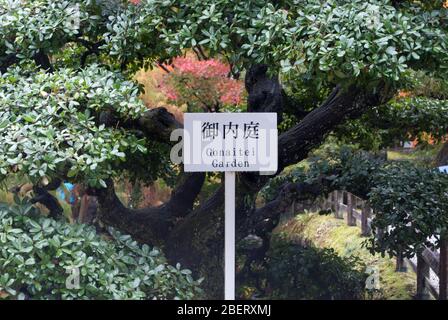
(295,144)
(152,224)
(156,124)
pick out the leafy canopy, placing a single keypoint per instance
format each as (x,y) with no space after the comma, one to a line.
(331,40)
(340,39)
(313,273)
(322,43)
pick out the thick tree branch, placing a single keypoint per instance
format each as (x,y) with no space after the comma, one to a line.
(183,197)
(156,124)
(43,61)
(265,92)
(203,224)
(41,58)
(42,196)
(254,237)
(146,226)
(295,144)
(149,225)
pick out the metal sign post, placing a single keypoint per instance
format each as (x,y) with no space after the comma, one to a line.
(229,246)
(230,143)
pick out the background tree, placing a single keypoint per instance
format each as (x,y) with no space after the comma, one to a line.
(68,110)
(202,85)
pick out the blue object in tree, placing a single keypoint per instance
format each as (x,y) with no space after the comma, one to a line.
(61,194)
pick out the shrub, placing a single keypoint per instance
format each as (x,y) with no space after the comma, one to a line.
(411,205)
(38,254)
(297,272)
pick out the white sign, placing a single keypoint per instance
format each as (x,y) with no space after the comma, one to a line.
(443,169)
(230,142)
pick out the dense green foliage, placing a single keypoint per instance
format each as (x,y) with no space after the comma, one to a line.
(324,231)
(297,272)
(349,169)
(331,40)
(417,115)
(49,126)
(38,254)
(418,112)
(344,167)
(409,200)
(411,207)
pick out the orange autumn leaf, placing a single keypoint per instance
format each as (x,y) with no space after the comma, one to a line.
(404,94)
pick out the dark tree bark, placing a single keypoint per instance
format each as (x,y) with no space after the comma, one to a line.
(40,58)
(42,196)
(8,61)
(265,93)
(43,61)
(442,156)
(342,104)
(157,124)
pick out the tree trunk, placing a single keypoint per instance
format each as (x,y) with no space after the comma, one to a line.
(442,156)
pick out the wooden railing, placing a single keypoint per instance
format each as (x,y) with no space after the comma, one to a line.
(357,212)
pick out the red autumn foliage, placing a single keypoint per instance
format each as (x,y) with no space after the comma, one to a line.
(203,85)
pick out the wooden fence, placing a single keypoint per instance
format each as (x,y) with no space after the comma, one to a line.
(427,265)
